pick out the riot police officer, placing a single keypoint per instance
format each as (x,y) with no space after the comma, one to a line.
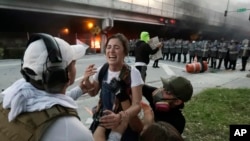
(214,54)
(222,52)
(233,54)
(198,51)
(244,52)
(178,48)
(191,51)
(165,50)
(205,50)
(185,50)
(172,49)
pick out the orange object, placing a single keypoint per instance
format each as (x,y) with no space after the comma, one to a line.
(196,67)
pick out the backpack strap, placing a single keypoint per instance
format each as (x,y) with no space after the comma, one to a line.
(125,83)
(102,73)
(125,73)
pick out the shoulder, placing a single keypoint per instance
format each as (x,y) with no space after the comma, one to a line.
(69,128)
(135,77)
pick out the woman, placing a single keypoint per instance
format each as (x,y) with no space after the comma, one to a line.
(116,97)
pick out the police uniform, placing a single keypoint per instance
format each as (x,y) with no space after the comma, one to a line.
(244,52)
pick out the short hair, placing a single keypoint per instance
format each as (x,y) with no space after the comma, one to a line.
(122,39)
(160,131)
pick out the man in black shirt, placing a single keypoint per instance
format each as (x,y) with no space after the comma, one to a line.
(168,102)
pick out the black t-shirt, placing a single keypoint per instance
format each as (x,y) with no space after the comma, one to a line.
(174,117)
(142,52)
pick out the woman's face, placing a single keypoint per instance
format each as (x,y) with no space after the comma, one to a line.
(115,52)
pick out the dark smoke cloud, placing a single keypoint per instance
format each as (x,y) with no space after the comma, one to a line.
(228,28)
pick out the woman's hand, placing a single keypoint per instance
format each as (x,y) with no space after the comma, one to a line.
(148,114)
(91,70)
(123,124)
(85,84)
(110,120)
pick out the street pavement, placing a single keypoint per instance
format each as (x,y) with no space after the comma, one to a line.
(10,72)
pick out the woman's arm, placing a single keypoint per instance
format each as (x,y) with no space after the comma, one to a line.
(136,95)
(135,107)
(133,110)
(92,88)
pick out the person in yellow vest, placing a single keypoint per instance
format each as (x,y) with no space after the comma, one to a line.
(36,107)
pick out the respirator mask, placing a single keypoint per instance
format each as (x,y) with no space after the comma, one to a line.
(161,104)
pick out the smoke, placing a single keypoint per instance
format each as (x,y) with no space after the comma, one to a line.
(205,22)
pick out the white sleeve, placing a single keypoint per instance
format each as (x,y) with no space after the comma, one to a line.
(75,93)
(67,129)
(136,79)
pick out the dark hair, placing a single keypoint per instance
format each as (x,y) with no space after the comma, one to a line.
(123,40)
(160,131)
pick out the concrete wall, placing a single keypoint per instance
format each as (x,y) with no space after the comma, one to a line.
(145,11)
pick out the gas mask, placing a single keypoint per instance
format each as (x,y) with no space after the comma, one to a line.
(161,104)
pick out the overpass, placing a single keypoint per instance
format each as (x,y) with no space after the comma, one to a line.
(126,16)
